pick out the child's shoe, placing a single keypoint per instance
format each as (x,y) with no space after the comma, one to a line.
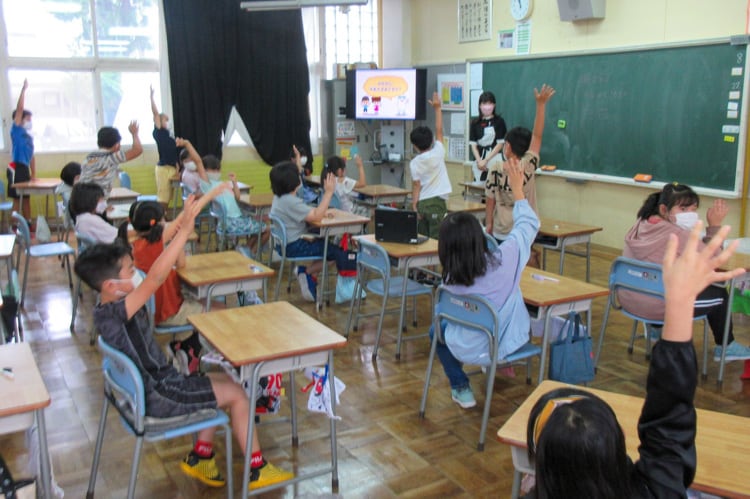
(202,468)
(268,474)
(464,397)
(301,274)
(735,351)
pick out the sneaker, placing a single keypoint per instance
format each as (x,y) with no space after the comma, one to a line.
(268,474)
(304,283)
(654,333)
(735,351)
(463,397)
(180,360)
(202,468)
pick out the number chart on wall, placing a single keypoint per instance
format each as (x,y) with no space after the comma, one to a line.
(677,113)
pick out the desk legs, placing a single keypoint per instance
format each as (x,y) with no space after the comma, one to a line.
(322,288)
(254,378)
(44,454)
(725,339)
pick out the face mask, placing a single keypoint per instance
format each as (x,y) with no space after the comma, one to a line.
(135,281)
(303,160)
(190,166)
(101,207)
(487,109)
(686,220)
(27,125)
(214,175)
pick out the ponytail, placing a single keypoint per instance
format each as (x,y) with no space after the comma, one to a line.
(650,206)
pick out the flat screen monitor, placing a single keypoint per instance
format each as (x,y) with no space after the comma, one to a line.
(386,94)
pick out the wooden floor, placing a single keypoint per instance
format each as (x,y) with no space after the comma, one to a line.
(385,449)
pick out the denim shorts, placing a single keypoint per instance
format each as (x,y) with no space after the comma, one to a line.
(302,247)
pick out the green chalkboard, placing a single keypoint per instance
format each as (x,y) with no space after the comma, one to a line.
(661,111)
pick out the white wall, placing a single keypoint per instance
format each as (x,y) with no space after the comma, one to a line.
(433,34)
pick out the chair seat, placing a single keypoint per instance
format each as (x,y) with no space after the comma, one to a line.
(526,351)
(51,249)
(413,288)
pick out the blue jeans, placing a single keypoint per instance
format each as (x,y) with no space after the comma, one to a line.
(302,247)
(451,366)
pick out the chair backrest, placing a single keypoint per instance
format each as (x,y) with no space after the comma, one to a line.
(471,311)
(278,232)
(2,190)
(637,276)
(125,180)
(373,257)
(23,230)
(123,385)
(84,241)
(335,202)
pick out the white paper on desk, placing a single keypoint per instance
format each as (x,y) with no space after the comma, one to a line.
(458,123)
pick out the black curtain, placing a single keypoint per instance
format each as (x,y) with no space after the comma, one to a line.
(274,82)
(221,56)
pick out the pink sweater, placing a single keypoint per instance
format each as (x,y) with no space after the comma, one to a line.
(647,241)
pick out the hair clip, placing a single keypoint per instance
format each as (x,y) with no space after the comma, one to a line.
(152,222)
(675,184)
(546,412)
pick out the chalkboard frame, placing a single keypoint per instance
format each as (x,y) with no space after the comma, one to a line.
(738,189)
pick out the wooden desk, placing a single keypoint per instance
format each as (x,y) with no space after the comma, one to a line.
(341,222)
(473,191)
(122,195)
(741,260)
(407,256)
(566,234)
(476,209)
(557,295)
(7,242)
(37,187)
(223,273)
(119,213)
(721,442)
(176,184)
(24,394)
(373,195)
(268,347)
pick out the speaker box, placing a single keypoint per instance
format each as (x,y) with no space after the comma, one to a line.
(579,10)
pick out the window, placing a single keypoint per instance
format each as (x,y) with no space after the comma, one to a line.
(83,74)
(351,35)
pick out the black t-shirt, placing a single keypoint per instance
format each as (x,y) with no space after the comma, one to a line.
(166,146)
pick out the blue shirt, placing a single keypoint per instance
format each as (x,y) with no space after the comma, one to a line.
(23,145)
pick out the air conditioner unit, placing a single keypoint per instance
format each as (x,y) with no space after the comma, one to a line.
(256,5)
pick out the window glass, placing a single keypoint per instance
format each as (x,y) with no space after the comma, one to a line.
(48,28)
(62,106)
(126,98)
(127,29)
(351,35)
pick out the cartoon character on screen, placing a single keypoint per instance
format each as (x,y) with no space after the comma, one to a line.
(375,105)
(401,102)
(365,103)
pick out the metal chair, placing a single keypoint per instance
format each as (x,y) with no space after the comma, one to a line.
(151,308)
(5,205)
(222,232)
(84,242)
(204,218)
(125,182)
(38,251)
(123,388)
(472,311)
(644,278)
(373,258)
(279,242)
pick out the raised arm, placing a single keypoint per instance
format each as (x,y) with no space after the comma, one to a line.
(235,186)
(329,187)
(154,109)
(136,149)
(361,180)
(435,103)
(542,97)
(171,229)
(194,156)
(18,117)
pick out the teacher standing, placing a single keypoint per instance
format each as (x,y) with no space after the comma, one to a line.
(486,136)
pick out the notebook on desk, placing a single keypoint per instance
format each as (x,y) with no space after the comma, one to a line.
(397,226)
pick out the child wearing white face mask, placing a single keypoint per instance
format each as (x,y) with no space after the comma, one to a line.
(87,205)
(299,157)
(208,169)
(190,178)
(673,210)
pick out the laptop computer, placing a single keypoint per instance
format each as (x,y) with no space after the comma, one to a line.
(397,226)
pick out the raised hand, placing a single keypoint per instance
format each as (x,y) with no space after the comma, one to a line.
(716,212)
(545,94)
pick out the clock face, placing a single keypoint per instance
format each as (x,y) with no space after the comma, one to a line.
(520,9)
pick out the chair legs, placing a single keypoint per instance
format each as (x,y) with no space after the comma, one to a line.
(97,450)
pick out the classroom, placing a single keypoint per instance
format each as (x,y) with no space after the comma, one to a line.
(385,449)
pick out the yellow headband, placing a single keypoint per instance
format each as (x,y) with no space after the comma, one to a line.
(546,412)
